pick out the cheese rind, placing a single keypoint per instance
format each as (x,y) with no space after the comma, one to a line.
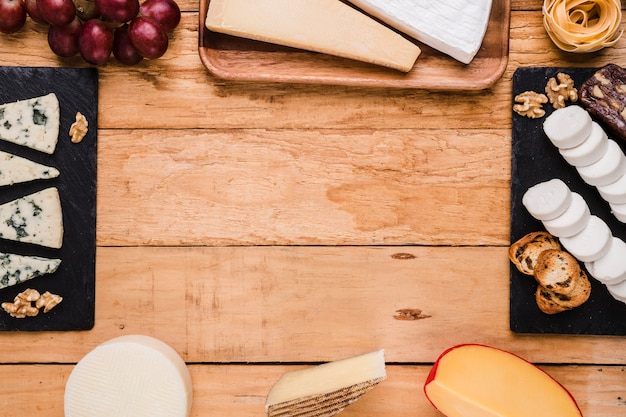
(33,123)
(36,218)
(326,26)
(15,169)
(15,269)
(454,27)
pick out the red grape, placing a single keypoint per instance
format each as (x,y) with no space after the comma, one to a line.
(33,11)
(63,40)
(12,15)
(166,12)
(86,9)
(57,12)
(148,37)
(123,49)
(118,10)
(95,42)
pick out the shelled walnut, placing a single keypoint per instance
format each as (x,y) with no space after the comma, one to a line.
(530,104)
(561,91)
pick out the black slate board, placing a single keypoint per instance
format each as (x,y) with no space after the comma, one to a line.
(74,280)
(534,160)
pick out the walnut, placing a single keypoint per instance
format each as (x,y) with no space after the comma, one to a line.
(562,91)
(48,301)
(22,305)
(530,104)
(79,128)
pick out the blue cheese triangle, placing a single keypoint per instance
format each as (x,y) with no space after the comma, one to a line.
(36,218)
(33,123)
(15,169)
(15,269)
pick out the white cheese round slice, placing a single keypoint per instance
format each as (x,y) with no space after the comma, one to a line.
(129,376)
(590,150)
(568,127)
(611,268)
(592,243)
(607,169)
(572,221)
(547,200)
(614,192)
(618,291)
(619,211)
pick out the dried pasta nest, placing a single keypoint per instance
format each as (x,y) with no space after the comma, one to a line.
(583,25)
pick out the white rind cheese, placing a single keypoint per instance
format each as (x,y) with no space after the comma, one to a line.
(15,169)
(33,123)
(129,376)
(15,269)
(326,26)
(327,389)
(36,218)
(454,27)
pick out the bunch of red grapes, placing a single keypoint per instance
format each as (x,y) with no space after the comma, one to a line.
(95,29)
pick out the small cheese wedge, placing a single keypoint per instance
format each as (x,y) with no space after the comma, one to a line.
(129,376)
(15,169)
(547,200)
(15,269)
(611,268)
(33,123)
(454,27)
(568,127)
(592,243)
(572,221)
(606,170)
(590,150)
(327,389)
(326,26)
(482,381)
(36,218)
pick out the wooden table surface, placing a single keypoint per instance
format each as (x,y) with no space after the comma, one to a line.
(259,228)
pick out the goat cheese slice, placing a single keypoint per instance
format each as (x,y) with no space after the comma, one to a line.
(33,123)
(15,269)
(15,169)
(454,27)
(326,26)
(36,218)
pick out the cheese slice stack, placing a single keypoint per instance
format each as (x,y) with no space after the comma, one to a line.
(15,169)
(33,123)
(327,389)
(454,27)
(15,269)
(326,26)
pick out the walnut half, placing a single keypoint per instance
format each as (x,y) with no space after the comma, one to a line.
(561,91)
(530,104)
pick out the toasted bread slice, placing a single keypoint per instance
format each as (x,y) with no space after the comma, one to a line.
(551,302)
(557,271)
(525,252)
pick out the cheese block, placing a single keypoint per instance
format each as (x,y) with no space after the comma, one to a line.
(454,27)
(547,200)
(568,127)
(36,218)
(15,169)
(611,268)
(483,381)
(15,269)
(592,243)
(33,122)
(327,26)
(607,169)
(129,376)
(572,221)
(327,389)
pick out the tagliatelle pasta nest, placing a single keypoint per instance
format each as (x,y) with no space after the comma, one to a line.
(583,25)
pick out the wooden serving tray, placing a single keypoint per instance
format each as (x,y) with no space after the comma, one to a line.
(233,58)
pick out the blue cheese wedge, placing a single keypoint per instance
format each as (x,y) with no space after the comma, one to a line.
(15,169)
(36,218)
(15,269)
(33,123)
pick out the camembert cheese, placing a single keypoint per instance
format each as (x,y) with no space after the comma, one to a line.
(327,389)
(454,27)
(15,269)
(326,26)
(15,169)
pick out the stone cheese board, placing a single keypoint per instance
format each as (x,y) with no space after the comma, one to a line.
(534,160)
(74,280)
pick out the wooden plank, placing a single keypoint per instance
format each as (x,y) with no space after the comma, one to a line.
(238,390)
(306,304)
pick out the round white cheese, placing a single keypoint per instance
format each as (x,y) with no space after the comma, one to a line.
(614,192)
(568,127)
(547,200)
(611,268)
(572,221)
(619,211)
(607,169)
(129,376)
(592,243)
(618,291)
(590,150)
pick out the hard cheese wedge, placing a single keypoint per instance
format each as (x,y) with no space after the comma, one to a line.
(481,381)
(129,376)
(15,269)
(327,389)
(15,169)
(327,26)
(454,27)
(33,123)
(36,218)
